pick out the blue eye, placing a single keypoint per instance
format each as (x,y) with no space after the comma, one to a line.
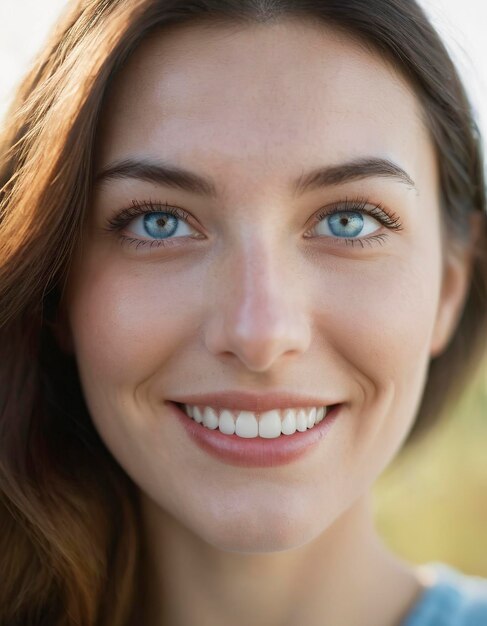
(150,226)
(160,225)
(348,224)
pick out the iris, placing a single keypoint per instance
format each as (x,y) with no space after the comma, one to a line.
(346,224)
(160,224)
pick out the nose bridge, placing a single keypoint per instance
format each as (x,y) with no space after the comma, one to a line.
(258,313)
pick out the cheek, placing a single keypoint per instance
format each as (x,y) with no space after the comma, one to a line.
(386,317)
(127,323)
(379,305)
(376,321)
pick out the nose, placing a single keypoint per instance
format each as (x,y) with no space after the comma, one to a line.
(258,314)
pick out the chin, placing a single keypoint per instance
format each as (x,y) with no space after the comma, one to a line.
(251,537)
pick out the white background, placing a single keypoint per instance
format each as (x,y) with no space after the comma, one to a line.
(24,25)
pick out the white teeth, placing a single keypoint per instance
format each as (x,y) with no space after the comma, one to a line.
(197,415)
(210,418)
(270,425)
(301,421)
(288,425)
(227,423)
(246,425)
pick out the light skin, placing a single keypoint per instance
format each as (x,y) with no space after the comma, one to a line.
(255,294)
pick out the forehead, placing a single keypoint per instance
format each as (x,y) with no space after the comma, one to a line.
(260,99)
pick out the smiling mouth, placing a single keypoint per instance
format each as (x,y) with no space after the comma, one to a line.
(253,425)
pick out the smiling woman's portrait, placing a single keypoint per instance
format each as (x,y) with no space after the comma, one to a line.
(243,267)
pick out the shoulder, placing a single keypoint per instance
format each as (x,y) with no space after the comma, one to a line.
(473,607)
(451,599)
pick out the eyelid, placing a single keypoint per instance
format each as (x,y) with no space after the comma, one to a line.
(384,216)
(118,222)
(358,205)
(136,209)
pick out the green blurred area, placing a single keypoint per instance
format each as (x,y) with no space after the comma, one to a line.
(431,503)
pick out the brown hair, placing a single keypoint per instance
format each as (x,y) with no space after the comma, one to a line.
(70,540)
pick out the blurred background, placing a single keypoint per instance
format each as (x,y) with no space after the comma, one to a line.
(431,503)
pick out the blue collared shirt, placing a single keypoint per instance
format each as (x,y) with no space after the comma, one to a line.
(455,599)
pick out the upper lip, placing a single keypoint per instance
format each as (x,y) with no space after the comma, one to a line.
(246,401)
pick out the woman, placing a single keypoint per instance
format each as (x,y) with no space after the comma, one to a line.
(242,265)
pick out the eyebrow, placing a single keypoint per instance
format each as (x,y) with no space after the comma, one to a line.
(169,175)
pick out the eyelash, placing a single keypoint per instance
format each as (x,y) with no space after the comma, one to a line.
(120,220)
(358,205)
(387,218)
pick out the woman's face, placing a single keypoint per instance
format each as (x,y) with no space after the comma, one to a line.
(256,287)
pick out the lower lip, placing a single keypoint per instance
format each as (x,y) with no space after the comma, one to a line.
(256,452)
